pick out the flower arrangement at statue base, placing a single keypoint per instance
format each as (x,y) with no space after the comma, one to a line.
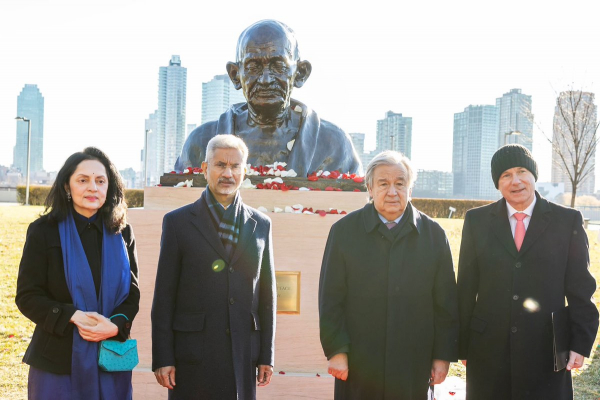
(274,177)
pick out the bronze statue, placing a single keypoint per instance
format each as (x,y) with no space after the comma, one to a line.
(274,126)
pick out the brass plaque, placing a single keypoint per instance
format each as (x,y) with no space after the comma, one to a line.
(288,292)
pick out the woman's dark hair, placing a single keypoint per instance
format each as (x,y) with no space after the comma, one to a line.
(114,209)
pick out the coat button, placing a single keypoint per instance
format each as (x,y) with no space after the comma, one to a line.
(55,310)
(231,301)
(227,331)
(231,269)
(516,297)
(518,265)
(128,325)
(513,329)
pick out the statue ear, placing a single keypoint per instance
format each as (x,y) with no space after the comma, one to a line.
(233,71)
(303,70)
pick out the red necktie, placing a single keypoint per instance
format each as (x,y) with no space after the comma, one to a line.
(519,230)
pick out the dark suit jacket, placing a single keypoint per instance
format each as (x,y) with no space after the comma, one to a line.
(44,298)
(214,325)
(506,299)
(391,300)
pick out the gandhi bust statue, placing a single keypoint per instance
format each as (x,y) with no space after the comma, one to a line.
(274,126)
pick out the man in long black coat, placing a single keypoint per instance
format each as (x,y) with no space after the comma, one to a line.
(519,259)
(387,295)
(213,314)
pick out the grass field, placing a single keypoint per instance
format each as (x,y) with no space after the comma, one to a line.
(15,330)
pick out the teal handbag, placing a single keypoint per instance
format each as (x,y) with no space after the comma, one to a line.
(117,356)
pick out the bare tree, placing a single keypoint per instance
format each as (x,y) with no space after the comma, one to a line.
(575,137)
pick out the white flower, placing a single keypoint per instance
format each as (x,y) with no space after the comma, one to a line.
(188,183)
(308,212)
(263,209)
(289,174)
(326,173)
(278,163)
(289,209)
(277,210)
(303,189)
(247,184)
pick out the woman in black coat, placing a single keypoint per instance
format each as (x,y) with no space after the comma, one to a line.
(78,282)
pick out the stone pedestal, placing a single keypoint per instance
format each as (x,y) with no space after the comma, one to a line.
(299,241)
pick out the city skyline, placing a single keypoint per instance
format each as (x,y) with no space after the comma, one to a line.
(459,55)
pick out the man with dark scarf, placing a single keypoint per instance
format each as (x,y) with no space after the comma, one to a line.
(213,314)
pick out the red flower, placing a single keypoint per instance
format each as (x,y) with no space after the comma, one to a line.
(329,189)
(313,178)
(260,186)
(359,179)
(357,190)
(333,211)
(281,373)
(322,213)
(343,213)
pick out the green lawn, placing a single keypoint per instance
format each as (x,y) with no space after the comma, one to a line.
(15,330)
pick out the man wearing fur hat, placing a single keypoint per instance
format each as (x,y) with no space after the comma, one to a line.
(520,258)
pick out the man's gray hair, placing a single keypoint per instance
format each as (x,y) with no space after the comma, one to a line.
(226,142)
(390,157)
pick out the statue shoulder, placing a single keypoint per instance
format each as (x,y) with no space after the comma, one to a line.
(192,153)
(333,133)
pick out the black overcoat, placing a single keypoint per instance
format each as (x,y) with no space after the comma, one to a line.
(43,297)
(215,324)
(390,301)
(506,299)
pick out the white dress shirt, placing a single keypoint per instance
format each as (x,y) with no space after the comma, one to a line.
(513,221)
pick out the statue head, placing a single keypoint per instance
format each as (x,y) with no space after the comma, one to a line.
(267,67)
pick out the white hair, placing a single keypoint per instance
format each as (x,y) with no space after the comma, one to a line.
(226,142)
(390,157)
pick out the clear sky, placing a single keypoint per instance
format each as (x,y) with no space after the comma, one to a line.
(96,64)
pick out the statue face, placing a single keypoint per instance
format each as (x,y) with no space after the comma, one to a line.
(267,72)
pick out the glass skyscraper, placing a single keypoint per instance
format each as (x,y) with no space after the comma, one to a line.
(30,105)
(172,84)
(394,132)
(218,95)
(475,141)
(514,114)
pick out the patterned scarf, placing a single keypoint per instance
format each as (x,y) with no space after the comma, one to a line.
(227,221)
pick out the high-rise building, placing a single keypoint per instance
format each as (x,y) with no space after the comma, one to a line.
(172,84)
(582,105)
(433,184)
(394,132)
(475,142)
(218,95)
(154,173)
(514,115)
(30,105)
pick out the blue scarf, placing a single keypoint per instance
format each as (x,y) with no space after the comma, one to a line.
(88,382)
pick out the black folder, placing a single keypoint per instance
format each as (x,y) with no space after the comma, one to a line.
(561,329)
